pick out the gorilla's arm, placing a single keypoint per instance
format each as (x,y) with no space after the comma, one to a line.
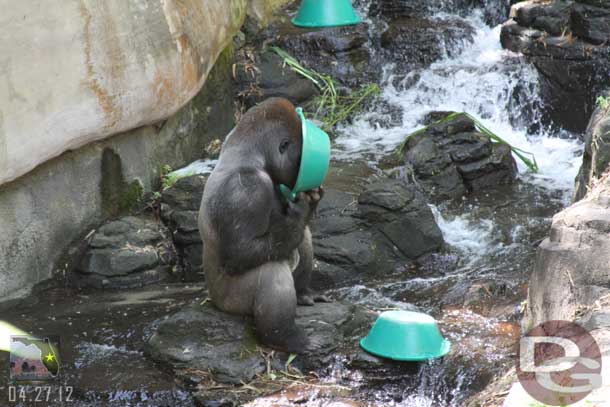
(254,228)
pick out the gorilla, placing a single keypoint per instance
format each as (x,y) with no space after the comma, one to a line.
(258,254)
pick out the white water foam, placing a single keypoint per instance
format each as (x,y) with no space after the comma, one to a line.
(473,239)
(480,81)
(197,167)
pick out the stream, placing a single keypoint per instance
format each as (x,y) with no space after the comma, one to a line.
(475,289)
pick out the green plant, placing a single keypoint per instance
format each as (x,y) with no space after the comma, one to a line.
(167,178)
(329,107)
(521,154)
(344,106)
(603,102)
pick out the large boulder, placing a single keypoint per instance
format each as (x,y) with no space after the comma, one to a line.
(571,280)
(451,158)
(346,249)
(202,338)
(340,52)
(128,252)
(571,271)
(591,23)
(263,75)
(400,213)
(596,157)
(567,43)
(374,233)
(115,66)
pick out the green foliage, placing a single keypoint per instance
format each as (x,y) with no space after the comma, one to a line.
(167,178)
(603,102)
(329,107)
(521,154)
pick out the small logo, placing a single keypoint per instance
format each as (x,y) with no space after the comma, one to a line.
(559,363)
(34,359)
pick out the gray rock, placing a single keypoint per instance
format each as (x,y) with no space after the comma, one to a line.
(418,42)
(451,159)
(203,338)
(591,23)
(179,211)
(401,214)
(345,246)
(337,51)
(596,3)
(596,157)
(571,272)
(128,252)
(551,17)
(575,69)
(264,75)
(494,11)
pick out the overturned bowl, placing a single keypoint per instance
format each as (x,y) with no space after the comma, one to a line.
(406,336)
(315,159)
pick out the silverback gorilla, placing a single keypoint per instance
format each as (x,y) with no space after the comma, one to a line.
(258,254)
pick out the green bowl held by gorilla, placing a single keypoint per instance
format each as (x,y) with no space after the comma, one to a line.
(326,13)
(315,159)
(406,336)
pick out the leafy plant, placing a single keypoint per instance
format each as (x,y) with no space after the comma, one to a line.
(521,154)
(603,102)
(167,178)
(329,107)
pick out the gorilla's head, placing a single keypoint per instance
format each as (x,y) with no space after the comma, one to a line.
(274,129)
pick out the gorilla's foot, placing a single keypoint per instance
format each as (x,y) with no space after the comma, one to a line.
(305,299)
(296,341)
(309,298)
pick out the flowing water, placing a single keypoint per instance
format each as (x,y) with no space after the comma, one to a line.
(493,235)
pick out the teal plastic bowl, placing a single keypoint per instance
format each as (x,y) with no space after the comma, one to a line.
(406,336)
(315,159)
(325,13)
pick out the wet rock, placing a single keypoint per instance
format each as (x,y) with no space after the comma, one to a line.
(401,214)
(346,248)
(562,40)
(418,42)
(552,17)
(494,11)
(201,338)
(264,75)
(340,52)
(450,159)
(591,23)
(571,273)
(129,252)
(596,157)
(179,211)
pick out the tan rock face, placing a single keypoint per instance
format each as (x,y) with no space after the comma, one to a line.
(80,71)
(262,10)
(572,269)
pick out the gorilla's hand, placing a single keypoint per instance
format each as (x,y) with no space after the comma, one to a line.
(315,196)
(301,208)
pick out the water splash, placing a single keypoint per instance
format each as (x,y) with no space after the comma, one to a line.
(474,239)
(496,86)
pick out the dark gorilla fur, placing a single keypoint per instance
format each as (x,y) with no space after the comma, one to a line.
(258,253)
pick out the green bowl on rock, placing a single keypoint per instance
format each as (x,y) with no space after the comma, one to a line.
(406,336)
(325,13)
(315,159)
